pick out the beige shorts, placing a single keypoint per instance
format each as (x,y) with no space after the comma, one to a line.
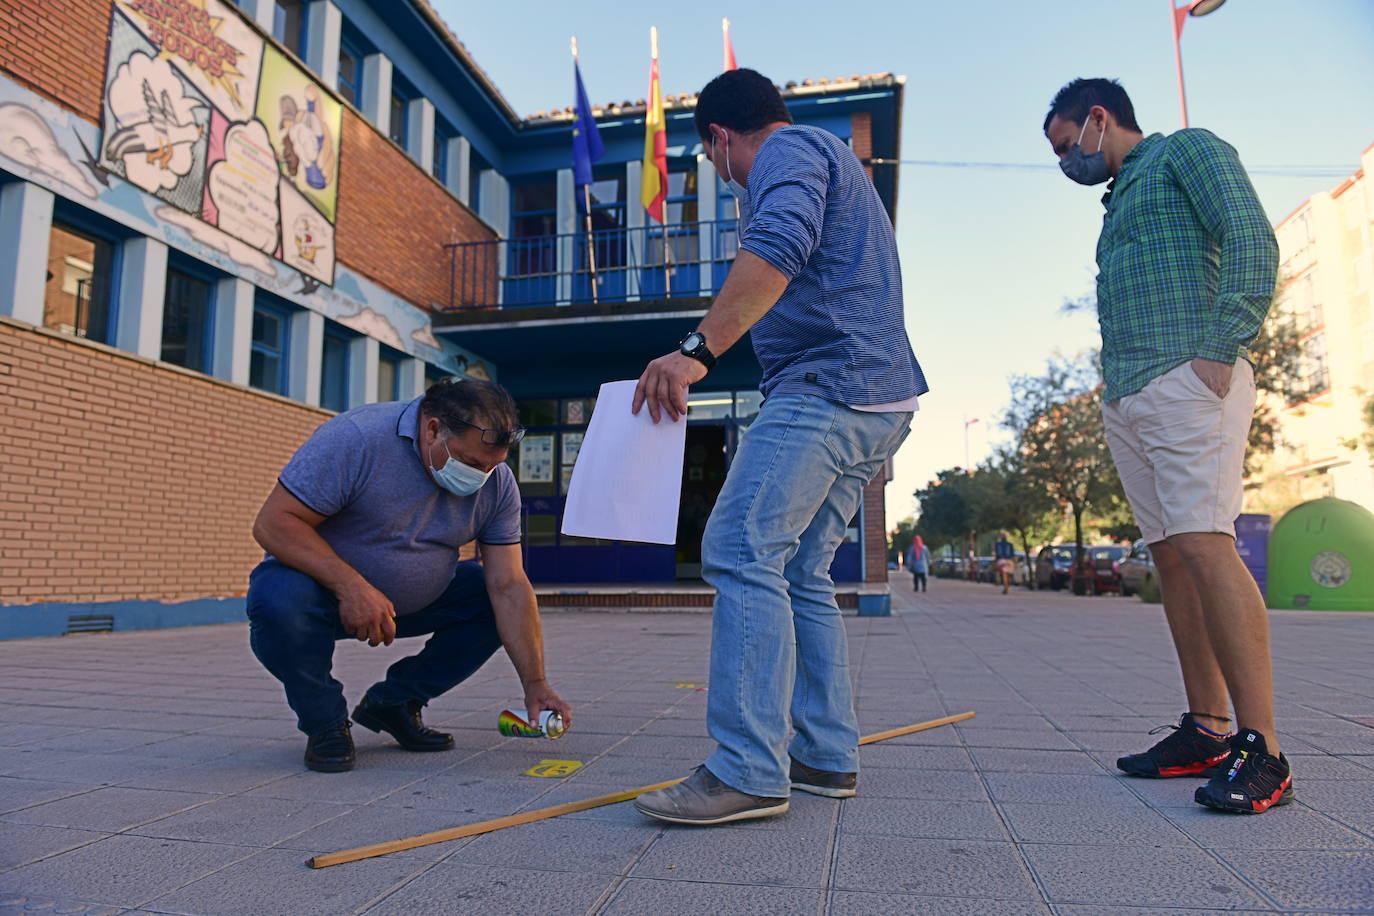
(1180,451)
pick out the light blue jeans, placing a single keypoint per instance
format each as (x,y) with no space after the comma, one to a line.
(779,659)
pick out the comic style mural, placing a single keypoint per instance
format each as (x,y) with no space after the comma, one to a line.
(203,114)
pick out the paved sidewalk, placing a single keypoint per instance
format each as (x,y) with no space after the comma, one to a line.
(160,772)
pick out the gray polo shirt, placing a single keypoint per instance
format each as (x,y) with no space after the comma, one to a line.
(385,515)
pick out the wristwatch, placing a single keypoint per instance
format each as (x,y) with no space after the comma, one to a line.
(694,345)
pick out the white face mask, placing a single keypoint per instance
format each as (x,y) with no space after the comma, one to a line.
(458,478)
(737,189)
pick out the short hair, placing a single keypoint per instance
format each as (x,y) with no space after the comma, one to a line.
(743,100)
(455,401)
(1075,99)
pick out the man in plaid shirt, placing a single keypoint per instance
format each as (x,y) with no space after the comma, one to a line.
(1187,263)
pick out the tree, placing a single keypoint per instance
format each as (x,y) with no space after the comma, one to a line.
(1011,500)
(946,508)
(1057,419)
(902,537)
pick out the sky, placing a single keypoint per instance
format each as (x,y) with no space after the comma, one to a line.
(988,255)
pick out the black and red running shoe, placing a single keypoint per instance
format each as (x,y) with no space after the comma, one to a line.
(1253,781)
(1186,751)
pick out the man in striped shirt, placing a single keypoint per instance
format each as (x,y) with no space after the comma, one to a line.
(817,283)
(1187,262)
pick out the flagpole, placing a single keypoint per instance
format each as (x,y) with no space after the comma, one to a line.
(663,226)
(587,212)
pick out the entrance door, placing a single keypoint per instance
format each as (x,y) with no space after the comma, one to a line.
(703,474)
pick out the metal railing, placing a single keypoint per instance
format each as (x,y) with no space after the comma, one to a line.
(619,265)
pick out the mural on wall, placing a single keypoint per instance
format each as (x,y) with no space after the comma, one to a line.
(57,150)
(202,113)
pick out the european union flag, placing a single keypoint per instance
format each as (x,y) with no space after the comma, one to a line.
(586,138)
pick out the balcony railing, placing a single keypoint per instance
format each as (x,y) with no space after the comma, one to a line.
(606,266)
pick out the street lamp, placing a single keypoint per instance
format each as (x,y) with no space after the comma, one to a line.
(1180,14)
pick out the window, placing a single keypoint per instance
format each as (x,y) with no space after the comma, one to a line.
(187,315)
(350,83)
(534,222)
(442,134)
(398,120)
(334,370)
(288,25)
(78,297)
(267,363)
(389,376)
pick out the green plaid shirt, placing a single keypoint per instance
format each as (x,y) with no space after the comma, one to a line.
(1186,260)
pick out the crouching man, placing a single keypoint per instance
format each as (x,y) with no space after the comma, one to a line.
(362,534)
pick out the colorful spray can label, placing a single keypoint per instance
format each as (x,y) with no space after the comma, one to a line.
(514,726)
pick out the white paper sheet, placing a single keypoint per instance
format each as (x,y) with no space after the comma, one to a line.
(627,483)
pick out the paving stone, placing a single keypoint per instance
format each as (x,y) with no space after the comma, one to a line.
(1036,739)
(1003,760)
(122,870)
(14,905)
(1288,827)
(850,903)
(637,896)
(445,889)
(357,787)
(1310,879)
(935,784)
(1125,875)
(242,821)
(962,820)
(913,757)
(932,867)
(593,847)
(1057,788)
(108,809)
(20,843)
(790,859)
(1091,824)
(19,793)
(1337,796)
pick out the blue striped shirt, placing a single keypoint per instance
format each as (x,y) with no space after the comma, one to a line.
(837,331)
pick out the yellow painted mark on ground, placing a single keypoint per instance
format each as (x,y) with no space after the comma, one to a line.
(687,685)
(552,769)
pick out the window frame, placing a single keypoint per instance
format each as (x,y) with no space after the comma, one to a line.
(393,358)
(194,270)
(78,221)
(279,8)
(337,333)
(270,305)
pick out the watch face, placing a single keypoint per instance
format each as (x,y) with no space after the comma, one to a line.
(692,341)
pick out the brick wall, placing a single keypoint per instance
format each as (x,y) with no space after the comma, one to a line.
(394,219)
(861,132)
(57,47)
(875,529)
(126,479)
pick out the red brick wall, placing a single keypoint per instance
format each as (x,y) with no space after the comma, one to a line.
(129,480)
(861,132)
(394,219)
(57,47)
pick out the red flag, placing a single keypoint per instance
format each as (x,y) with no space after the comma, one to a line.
(653,183)
(729,48)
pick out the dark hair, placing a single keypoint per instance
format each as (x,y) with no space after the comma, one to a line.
(743,100)
(1076,98)
(455,399)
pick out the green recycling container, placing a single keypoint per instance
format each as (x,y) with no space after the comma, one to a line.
(1321,558)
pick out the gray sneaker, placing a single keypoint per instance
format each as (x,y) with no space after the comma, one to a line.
(703,799)
(823,782)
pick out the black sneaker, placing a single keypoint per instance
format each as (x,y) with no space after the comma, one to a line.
(823,782)
(1185,752)
(1254,780)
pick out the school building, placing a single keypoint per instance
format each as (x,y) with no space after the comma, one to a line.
(221,222)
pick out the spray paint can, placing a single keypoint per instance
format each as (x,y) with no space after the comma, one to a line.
(514,726)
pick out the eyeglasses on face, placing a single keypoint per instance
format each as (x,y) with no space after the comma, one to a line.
(497,437)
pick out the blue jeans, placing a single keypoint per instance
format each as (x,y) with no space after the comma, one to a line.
(779,660)
(294,623)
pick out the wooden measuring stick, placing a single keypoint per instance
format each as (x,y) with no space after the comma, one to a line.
(528,817)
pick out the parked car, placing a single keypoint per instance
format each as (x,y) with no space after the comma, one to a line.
(1054,567)
(1137,569)
(984,569)
(1103,568)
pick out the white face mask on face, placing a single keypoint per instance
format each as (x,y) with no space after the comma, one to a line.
(458,478)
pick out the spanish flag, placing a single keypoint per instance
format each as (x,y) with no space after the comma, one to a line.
(653,182)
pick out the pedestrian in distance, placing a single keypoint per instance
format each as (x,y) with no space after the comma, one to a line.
(1004,555)
(362,533)
(1187,263)
(816,281)
(918,561)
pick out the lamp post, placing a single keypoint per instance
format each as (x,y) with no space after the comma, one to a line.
(1180,14)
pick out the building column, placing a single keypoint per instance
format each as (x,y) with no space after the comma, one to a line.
(635,233)
(233,330)
(261,11)
(142,295)
(363,354)
(376,100)
(26,227)
(459,173)
(411,381)
(494,207)
(307,356)
(706,214)
(565,226)
(324,26)
(420,133)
